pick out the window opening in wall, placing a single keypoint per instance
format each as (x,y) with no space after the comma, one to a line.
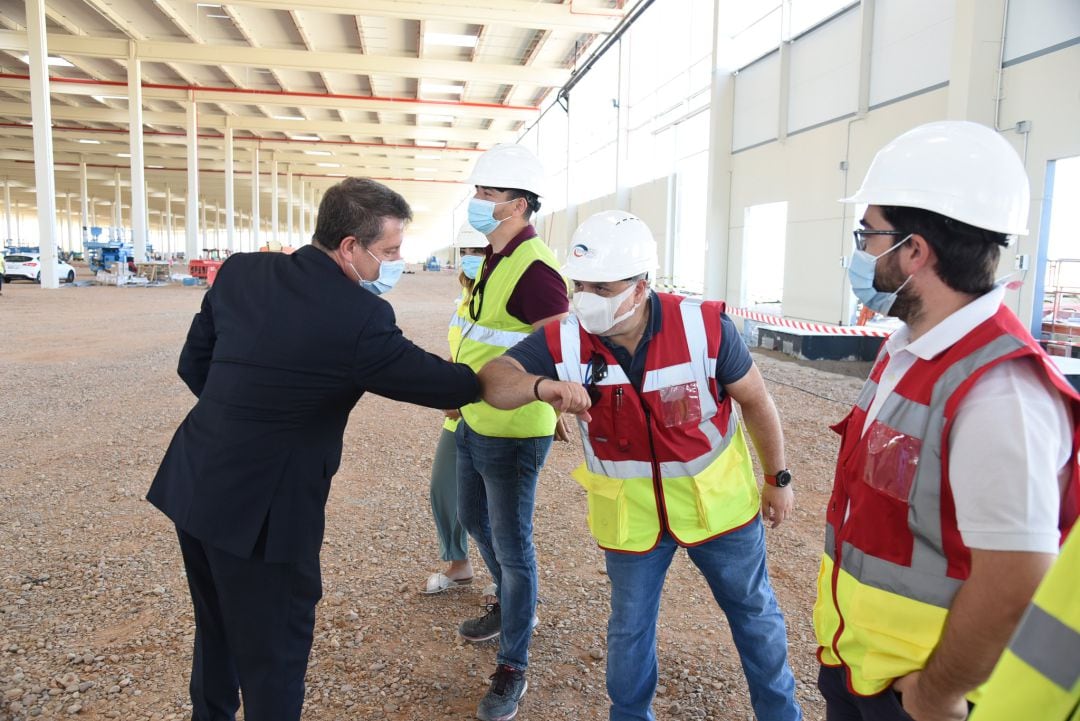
(691,187)
(1060,317)
(764,242)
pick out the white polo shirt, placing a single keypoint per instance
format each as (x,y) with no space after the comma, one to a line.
(1010,443)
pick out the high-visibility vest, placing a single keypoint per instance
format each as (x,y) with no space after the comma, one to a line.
(1038,676)
(670,456)
(894,557)
(494,330)
(453,339)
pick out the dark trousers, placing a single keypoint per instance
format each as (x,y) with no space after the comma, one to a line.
(254,623)
(843,705)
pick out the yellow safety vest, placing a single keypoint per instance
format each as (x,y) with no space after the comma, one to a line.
(489,335)
(453,339)
(1038,676)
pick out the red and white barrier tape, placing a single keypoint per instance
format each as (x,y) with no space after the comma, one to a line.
(812,327)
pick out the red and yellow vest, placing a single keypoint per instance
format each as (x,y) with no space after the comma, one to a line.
(894,557)
(670,456)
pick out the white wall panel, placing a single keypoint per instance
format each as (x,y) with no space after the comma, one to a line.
(912,47)
(1038,24)
(757,103)
(825,72)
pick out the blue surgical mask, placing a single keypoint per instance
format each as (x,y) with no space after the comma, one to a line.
(389,274)
(482,215)
(861,274)
(470,265)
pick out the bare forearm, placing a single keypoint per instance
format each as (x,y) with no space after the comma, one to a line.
(983,616)
(505,384)
(763,424)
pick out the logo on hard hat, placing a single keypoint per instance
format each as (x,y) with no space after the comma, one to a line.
(580,251)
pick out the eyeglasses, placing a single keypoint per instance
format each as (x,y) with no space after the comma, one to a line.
(595,371)
(862,233)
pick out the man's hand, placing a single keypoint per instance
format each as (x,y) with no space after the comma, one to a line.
(562,430)
(776,504)
(566,397)
(921,708)
(452,414)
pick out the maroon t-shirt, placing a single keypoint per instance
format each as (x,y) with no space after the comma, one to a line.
(541,291)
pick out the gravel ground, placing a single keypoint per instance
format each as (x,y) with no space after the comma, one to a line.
(95,618)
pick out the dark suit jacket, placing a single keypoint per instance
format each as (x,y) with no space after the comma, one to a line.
(280,352)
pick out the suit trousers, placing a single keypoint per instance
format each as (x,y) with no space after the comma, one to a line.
(254,624)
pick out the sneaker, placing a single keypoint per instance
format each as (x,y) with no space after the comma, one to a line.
(483,628)
(487,626)
(508,686)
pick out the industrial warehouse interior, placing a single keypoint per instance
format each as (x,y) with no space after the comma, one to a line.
(145,144)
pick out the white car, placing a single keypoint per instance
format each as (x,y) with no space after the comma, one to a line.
(28,266)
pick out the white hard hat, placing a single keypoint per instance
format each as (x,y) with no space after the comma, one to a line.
(962,170)
(611,245)
(470,237)
(508,165)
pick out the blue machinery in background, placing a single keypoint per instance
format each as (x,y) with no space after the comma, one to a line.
(103,253)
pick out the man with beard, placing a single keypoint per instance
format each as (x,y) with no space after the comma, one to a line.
(957,475)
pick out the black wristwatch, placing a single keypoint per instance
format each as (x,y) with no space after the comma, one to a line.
(780,479)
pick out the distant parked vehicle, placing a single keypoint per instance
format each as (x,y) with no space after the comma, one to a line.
(27,266)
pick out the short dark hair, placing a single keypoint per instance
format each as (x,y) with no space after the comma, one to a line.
(357,207)
(532,200)
(967,257)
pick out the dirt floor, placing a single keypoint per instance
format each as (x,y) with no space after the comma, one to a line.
(95,618)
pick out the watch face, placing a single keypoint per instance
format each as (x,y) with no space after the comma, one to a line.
(783,478)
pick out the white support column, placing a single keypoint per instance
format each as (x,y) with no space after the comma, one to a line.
(202,223)
(84,233)
(289,206)
(191,205)
(69,235)
(217,227)
(139,216)
(169,246)
(274,201)
(43,148)
(718,270)
(302,197)
(255,197)
(7,209)
(230,205)
(118,205)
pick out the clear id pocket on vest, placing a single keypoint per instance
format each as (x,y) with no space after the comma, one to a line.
(892,460)
(679,405)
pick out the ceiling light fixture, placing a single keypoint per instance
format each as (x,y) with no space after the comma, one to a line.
(426,87)
(317,152)
(103,98)
(219,17)
(305,137)
(88,141)
(123,155)
(457,40)
(52,60)
(431,143)
(328,165)
(287,117)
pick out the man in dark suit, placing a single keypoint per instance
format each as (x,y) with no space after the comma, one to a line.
(282,349)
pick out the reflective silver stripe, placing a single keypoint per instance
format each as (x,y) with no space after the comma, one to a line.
(671,376)
(612,469)
(924,507)
(910,582)
(830,542)
(1049,646)
(458,321)
(490,336)
(698,341)
(570,342)
(904,415)
(866,396)
(677,469)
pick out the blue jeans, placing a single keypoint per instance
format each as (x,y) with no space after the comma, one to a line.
(496,495)
(734,567)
